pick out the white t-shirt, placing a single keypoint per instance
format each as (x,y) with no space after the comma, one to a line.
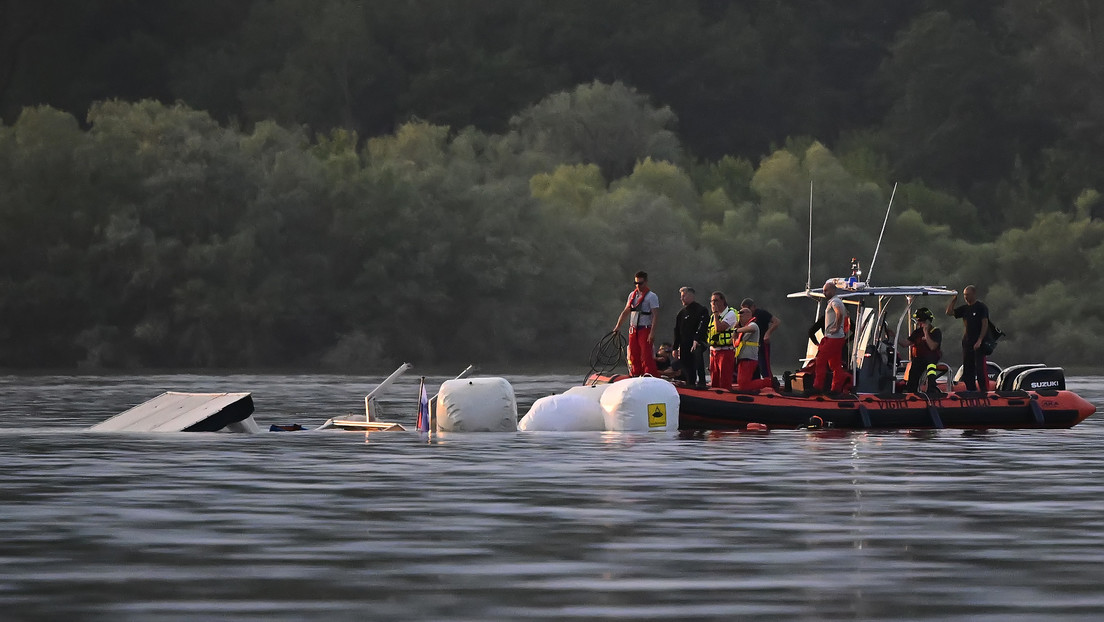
(649,304)
(729,318)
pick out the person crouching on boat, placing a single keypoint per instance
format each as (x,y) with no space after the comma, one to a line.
(830,352)
(641,307)
(722,356)
(768,323)
(925,345)
(747,353)
(667,363)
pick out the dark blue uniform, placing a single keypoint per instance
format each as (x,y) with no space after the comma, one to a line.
(974,369)
(690,325)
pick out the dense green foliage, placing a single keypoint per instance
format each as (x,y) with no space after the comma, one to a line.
(356,184)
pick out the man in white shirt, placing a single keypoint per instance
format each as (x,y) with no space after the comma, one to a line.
(722,355)
(830,351)
(640,308)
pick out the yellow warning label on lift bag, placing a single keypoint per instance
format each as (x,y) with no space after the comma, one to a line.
(657,415)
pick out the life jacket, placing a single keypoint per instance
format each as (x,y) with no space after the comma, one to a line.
(634,308)
(721,339)
(918,348)
(744,340)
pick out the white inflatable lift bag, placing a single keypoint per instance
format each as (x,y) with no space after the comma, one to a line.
(592,392)
(567,412)
(641,405)
(476,405)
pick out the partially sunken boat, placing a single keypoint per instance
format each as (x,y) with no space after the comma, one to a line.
(174,411)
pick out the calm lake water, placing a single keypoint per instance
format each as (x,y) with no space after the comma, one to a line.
(336,526)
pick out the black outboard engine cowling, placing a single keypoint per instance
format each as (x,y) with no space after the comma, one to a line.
(1006,379)
(992,370)
(1040,379)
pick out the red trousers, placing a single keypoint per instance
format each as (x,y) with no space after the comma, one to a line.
(641,356)
(720,368)
(830,354)
(745,370)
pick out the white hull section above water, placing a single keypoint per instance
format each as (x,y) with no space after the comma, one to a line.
(186,412)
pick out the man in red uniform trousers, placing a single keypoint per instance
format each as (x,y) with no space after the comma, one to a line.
(830,352)
(640,309)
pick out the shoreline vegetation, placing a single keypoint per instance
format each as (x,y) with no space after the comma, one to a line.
(360,201)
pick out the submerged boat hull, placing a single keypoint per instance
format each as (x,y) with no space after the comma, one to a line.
(714,409)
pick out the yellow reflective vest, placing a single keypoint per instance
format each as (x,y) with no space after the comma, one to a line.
(719,339)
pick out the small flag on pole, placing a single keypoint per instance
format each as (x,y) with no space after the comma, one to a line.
(423,409)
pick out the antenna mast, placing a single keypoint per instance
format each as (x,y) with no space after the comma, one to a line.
(870,270)
(809,278)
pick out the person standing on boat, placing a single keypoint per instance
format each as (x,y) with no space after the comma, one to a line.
(722,356)
(747,353)
(640,309)
(767,325)
(690,324)
(925,343)
(830,352)
(975,318)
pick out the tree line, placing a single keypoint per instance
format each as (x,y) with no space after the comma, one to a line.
(996,101)
(160,237)
(293,183)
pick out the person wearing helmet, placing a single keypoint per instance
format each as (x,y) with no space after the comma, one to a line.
(925,343)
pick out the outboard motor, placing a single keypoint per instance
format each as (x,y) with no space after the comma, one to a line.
(1040,379)
(992,370)
(1007,378)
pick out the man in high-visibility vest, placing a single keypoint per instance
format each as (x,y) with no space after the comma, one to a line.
(722,356)
(747,354)
(768,323)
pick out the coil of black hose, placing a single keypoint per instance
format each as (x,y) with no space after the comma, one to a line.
(607,355)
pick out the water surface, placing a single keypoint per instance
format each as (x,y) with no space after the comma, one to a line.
(394,526)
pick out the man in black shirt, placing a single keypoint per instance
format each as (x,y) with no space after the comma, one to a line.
(690,326)
(975,317)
